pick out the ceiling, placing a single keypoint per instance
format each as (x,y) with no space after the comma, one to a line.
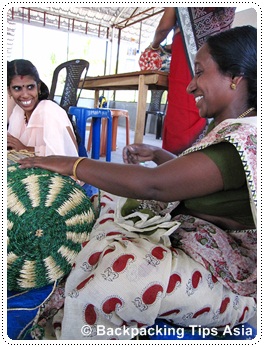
(135,23)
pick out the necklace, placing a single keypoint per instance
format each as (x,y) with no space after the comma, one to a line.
(25,118)
(244,114)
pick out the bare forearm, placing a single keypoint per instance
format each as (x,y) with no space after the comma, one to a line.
(160,35)
(109,178)
(166,24)
(189,176)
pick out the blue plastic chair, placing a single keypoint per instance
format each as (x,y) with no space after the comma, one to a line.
(81,115)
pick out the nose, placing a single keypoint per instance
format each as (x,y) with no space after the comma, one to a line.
(24,91)
(191,86)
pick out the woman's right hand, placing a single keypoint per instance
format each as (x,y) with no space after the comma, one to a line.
(138,153)
(14,143)
(60,164)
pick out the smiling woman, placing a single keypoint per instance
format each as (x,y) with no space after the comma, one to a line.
(179,242)
(36,124)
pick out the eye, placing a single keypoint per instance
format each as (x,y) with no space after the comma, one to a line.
(31,86)
(198,72)
(16,88)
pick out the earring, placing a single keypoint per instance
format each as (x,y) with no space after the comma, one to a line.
(233,86)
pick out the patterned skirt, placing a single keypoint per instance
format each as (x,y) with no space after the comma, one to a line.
(139,266)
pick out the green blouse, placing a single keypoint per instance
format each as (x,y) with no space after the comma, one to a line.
(233,201)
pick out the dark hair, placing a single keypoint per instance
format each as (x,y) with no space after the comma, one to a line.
(235,52)
(24,67)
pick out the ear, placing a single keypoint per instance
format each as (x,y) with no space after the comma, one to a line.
(237,79)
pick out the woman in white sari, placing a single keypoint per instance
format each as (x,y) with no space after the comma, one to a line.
(192,262)
(36,124)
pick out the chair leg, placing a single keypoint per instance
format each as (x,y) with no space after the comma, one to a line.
(159,127)
(127,131)
(114,134)
(146,118)
(103,138)
(90,138)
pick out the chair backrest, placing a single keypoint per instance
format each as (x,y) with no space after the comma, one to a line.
(155,100)
(74,69)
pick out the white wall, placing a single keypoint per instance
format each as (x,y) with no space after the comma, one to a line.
(246,17)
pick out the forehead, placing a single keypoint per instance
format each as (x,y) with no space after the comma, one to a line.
(203,56)
(22,80)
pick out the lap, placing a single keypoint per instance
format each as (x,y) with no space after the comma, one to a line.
(121,277)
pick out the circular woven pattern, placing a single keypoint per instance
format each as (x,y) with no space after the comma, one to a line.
(48,218)
(150,60)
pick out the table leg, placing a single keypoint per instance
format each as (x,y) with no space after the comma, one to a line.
(141,109)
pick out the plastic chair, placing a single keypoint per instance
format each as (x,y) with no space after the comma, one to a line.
(155,109)
(81,115)
(115,113)
(74,69)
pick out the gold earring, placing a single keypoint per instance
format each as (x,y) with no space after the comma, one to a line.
(233,86)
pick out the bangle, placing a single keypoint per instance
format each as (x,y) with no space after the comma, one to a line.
(154,49)
(77,162)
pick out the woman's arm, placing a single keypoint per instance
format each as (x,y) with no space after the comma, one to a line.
(182,178)
(166,24)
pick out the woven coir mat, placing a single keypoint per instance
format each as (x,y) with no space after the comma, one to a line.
(49,216)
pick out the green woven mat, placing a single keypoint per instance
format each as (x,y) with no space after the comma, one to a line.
(49,216)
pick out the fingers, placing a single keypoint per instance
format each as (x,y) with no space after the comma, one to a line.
(125,155)
(130,154)
(26,163)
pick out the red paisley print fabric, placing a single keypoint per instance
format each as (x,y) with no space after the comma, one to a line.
(130,273)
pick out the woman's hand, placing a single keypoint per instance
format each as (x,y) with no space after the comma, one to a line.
(60,164)
(14,143)
(138,153)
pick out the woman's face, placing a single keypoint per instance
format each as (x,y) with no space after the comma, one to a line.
(210,88)
(25,90)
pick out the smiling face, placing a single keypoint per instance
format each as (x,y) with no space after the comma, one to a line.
(210,88)
(25,90)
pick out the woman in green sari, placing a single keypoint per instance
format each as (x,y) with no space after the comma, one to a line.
(177,241)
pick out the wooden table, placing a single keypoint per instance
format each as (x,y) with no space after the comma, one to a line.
(138,80)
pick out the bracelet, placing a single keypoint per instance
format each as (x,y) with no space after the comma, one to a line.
(75,165)
(154,49)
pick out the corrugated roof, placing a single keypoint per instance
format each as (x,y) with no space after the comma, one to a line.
(135,22)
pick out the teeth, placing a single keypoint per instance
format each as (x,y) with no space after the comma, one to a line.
(198,98)
(25,102)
